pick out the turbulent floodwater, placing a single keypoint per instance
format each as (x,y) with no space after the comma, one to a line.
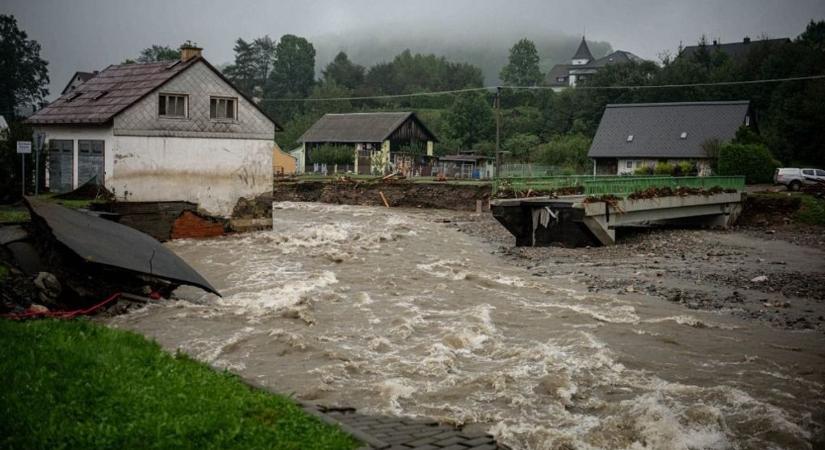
(394,312)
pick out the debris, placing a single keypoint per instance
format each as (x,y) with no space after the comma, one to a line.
(759,279)
(381,193)
(48,286)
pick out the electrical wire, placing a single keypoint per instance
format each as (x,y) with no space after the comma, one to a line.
(536,88)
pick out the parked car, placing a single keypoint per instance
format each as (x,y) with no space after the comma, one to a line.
(794,179)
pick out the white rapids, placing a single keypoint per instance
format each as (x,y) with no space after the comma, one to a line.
(392,311)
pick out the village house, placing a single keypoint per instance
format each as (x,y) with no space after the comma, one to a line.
(631,136)
(380,142)
(160,131)
(583,65)
(734,50)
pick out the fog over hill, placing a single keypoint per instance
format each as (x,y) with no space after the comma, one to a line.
(484,48)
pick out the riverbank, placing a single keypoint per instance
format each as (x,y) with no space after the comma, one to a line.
(773,272)
(81,385)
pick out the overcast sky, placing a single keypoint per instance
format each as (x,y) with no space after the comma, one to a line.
(91,34)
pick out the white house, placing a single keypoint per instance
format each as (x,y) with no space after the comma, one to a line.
(583,65)
(160,131)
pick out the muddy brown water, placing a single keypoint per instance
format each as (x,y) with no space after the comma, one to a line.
(393,312)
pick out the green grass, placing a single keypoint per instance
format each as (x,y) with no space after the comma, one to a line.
(75,384)
(812,211)
(11,214)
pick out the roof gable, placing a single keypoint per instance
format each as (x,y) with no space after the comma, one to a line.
(116,88)
(657,128)
(734,50)
(359,127)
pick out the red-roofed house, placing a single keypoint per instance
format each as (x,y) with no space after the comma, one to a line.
(160,131)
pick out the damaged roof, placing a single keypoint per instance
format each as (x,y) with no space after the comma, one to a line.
(359,127)
(100,241)
(665,130)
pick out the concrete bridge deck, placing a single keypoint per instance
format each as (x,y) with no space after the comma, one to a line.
(573,221)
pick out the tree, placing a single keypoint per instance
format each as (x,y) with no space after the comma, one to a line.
(521,146)
(568,151)
(343,72)
(522,68)
(292,76)
(24,76)
(253,65)
(469,120)
(158,53)
(293,71)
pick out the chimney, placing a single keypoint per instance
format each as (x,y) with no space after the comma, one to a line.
(189,50)
(747,40)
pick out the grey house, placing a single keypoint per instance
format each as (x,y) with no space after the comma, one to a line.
(635,135)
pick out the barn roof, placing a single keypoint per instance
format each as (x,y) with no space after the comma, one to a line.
(114,89)
(359,127)
(657,129)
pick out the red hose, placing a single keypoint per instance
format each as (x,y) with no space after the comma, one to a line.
(62,314)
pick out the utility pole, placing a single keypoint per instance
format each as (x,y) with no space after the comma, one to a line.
(498,131)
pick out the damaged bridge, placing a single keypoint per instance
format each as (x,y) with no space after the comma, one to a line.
(581,220)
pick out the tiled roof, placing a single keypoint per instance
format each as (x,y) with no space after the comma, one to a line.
(559,70)
(114,89)
(357,127)
(657,129)
(617,57)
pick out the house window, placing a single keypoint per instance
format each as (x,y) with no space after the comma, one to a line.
(560,79)
(172,105)
(88,147)
(223,108)
(629,138)
(629,163)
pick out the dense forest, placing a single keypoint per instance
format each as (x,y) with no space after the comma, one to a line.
(540,125)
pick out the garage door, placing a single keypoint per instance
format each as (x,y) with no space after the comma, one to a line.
(90,161)
(61,161)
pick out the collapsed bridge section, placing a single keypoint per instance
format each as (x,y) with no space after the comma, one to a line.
(580,220)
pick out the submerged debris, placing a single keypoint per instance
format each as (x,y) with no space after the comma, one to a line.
(681,191)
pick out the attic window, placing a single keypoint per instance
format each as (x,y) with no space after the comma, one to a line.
(683,135)
(629,138)
(98,95)
(172,105)
(73,96)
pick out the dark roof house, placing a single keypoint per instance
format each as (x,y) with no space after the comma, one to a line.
(666,130)
(365,128)
(114,89)
(735,50)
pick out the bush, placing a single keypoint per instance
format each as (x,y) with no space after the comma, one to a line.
(754,161)
(565,150)
(687,168)
(332,154)
(663,168)
(643,170)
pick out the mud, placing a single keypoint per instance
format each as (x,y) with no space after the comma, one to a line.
(409,312)
(461,197)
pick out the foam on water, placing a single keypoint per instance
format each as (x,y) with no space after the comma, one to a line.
(386,311)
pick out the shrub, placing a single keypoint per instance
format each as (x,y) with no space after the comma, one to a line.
(687,168)
(754,161)
(643,170)
(332,154)
(565,150)
(663,168)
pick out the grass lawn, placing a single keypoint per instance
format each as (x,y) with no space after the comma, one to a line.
(76,384)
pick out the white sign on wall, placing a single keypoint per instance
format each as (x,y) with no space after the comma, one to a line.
(24,147)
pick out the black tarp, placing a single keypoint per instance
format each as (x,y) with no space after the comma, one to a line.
(100,241)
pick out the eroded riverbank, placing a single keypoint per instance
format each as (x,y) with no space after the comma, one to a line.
(396,311)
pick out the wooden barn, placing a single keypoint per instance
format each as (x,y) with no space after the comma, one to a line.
(378,143)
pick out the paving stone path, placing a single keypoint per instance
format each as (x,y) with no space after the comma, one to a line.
(399,433)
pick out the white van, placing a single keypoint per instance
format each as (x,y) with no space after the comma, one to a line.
(793,179)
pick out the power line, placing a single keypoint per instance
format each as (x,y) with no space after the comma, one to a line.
(537,88)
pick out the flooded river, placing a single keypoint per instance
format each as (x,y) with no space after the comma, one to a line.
(392,311)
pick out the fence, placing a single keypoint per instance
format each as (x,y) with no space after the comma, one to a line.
(613,184)
(528,170)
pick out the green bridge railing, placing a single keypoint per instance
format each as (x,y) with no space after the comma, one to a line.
(617,185)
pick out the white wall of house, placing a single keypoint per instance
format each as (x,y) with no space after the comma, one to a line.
(214,173)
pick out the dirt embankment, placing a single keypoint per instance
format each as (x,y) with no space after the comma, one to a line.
(460,197)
